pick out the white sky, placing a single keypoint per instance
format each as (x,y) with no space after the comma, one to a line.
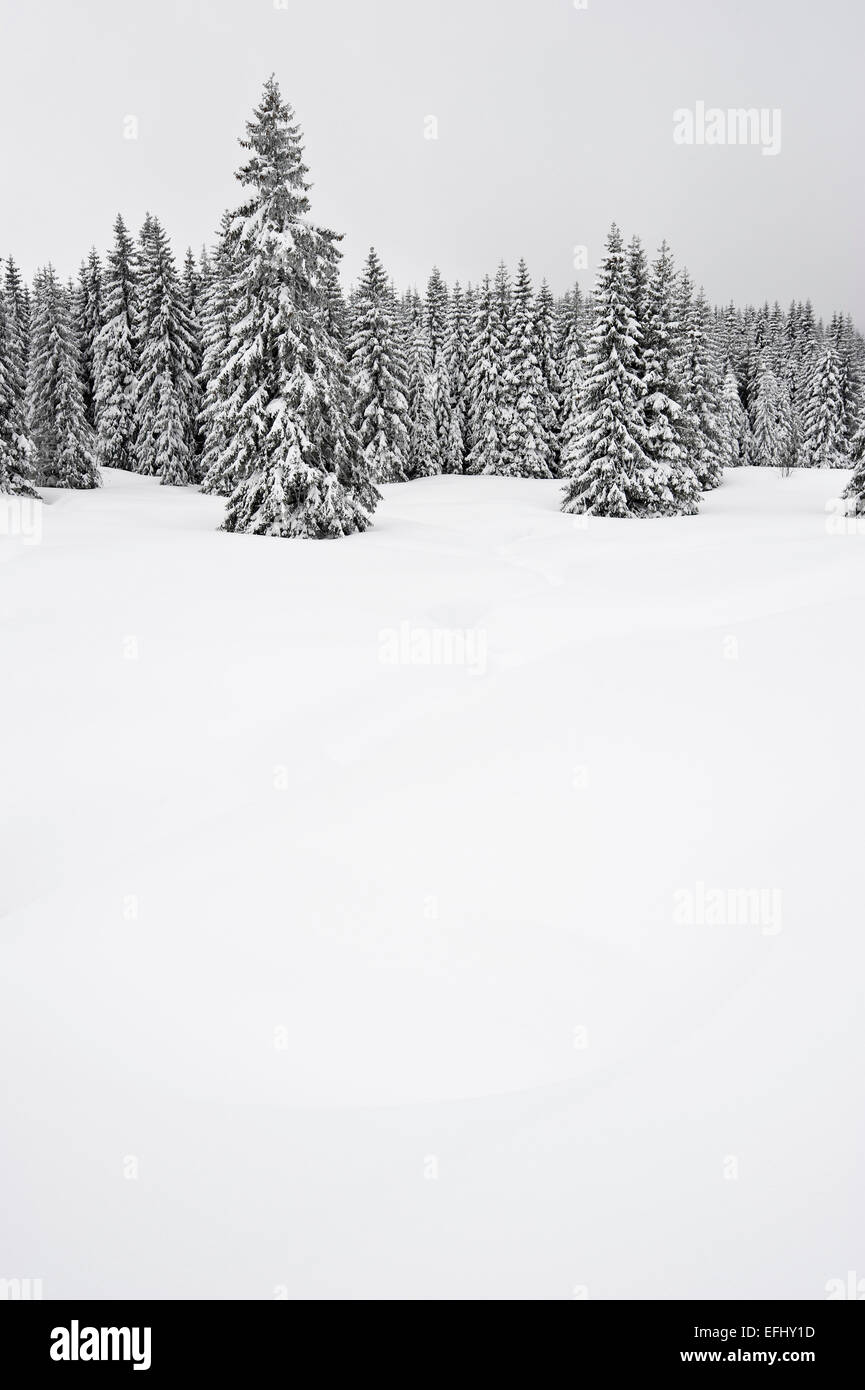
(552,122)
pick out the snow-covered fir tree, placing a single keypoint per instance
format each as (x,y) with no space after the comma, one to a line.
(527,452)
(771,424)
(571,370)
(612,473)
(457,346)
(843,334)
(423,459)
(166,393)
(62,439)
(675,481)
(88,325)
(334,312)
(488,419)
(380,416)
(436,320)
(216,382)
(638,284)
(733,423)
(855,492)
(18,312)
(16,454)
(546,350)
(289,444)
(436,312)
(193,287)
(503,300)
(825,423)
(701,387)
(116,356)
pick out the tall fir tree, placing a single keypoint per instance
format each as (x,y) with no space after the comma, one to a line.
(217,379)
(546,349)
(843,336)
(612,474)
(503,300)
(195,275)
(88,325)
(733,423)
(436,312)
(422,461)
(825,423)
(16,454)
(662,400)
(488,420)
(62,439)
(163,445)
(701,387)
(18,312)
(116,356)
(855,492)
(638,285)
(528,452)
(436,320)
(571,370)
(771,425)
(380,416)
(290,446)
(456,354)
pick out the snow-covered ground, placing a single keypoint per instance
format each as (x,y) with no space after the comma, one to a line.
(344,938)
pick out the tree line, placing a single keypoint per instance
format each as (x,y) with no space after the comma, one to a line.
(248,371)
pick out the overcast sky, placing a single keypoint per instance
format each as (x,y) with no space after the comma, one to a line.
(552,122)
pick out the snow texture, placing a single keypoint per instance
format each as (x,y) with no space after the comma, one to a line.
(340,898)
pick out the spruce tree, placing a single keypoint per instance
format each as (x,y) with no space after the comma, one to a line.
(675,481)
(503,302)
(380,415)
(436,312)
(528,439)
(290,445)
(62,439)
(88,324)
(18,320)
(546,349)
(488,422)
(16,453)
(771,434)
(470,308)
(612,474)
(422,460)
(855,493)
(638,282)
(193,288)
(216,381)
(334,312)
(571,369)
(163,445)
(456,355)
(733,423)
(116,357)
(701,388)
(436,320)
(825,437)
